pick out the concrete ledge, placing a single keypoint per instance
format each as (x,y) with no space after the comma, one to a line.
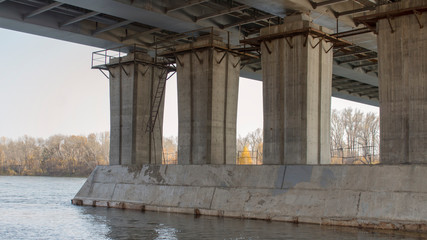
(381,196)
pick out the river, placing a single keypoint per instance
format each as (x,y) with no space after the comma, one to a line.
(40,208)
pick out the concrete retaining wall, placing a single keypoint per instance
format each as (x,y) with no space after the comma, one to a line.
(382,196)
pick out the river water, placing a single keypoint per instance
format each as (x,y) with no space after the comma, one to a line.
(40,208)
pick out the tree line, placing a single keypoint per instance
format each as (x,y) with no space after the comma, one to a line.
(354,140)
(57,155)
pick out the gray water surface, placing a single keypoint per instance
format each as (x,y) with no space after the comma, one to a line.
(40,208)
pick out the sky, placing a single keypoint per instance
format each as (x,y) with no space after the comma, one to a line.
(47,87)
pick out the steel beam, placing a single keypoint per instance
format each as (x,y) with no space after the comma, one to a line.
(352,53)
(43,9)
(354,75)
(189,4)
(364,91)
(325,3)
(79,18)
(365,65)
(359,10)
(346,85)
(111,27)
(136,35)
(356,60)
(352,32)
(247,20)
(338,79)
(347,96)
(222,12)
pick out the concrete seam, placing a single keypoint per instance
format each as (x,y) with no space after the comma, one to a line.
(213,194)
(150,133)
(210,97)
(358,204)
(283,179)
(135,110)
(191,108)
(282,99)
(407,152)
(225,109)
(114,189)
(121,113)
(319,104)
(93,180)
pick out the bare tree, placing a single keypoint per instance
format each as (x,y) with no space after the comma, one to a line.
(368,137)
(170,148)
(337,130)
(354,136)
(255,139)
(242,142)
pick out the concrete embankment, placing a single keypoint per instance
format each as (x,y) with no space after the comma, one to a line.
(380,196)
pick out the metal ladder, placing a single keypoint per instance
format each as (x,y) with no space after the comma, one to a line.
(155,105)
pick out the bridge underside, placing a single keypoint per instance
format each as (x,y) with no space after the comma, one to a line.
(304,52)
(111,23)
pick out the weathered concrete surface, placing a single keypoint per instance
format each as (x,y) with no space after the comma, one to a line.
(297,75)
(208,85)
(381,196)
(402,57)
(133,85)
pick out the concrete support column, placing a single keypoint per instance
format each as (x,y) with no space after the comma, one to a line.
(208,84)
(402,56)
(297,85)
(133,84)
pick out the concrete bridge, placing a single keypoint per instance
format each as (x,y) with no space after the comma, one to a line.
(304,52)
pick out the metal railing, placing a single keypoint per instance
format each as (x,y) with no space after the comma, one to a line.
(249,158)
(102,58)
(169,157)
(356,155)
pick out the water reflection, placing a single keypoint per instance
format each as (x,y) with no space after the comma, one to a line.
(165,232)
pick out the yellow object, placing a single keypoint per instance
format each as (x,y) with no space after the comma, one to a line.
(245,157)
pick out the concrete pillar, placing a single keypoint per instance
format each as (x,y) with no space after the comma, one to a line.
(133,84)
(297,85)
(208,84)
(402,57)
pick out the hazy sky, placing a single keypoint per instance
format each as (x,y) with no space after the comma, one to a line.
(47,87)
